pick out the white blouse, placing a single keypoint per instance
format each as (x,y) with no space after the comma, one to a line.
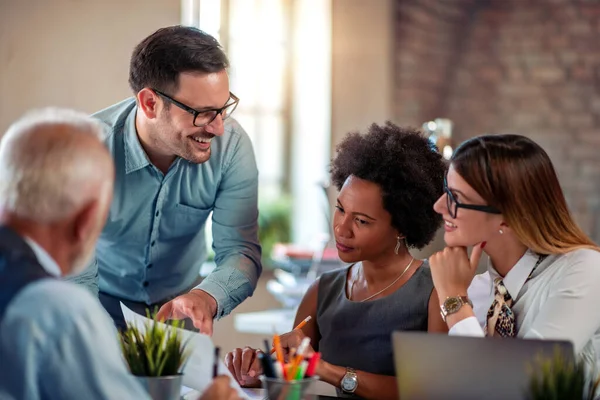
(561,301)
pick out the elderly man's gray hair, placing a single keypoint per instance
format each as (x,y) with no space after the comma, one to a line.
(52,163)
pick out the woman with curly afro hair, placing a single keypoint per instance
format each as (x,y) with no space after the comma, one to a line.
(388,181)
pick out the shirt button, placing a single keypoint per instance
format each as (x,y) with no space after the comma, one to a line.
(149,266)
(152,244)
(145,283)
(157,213)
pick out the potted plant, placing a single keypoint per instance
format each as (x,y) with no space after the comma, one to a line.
(274,224)
(560,379)
(156,355)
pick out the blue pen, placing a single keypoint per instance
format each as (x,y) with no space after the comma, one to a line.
(216,362)
(267,362)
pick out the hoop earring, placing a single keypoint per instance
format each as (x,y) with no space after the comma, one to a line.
(501,231)
(397,245)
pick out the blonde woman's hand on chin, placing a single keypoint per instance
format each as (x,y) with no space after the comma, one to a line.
(453,270)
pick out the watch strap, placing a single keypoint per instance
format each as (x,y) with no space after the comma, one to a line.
(350,373)
(462,300)
(465,300)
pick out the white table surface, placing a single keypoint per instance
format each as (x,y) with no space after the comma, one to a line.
(191,394)
(318,388)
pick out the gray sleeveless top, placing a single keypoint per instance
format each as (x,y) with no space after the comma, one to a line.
(358,335)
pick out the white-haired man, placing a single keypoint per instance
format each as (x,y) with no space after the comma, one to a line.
(56,340)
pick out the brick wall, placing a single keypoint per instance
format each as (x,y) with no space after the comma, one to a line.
(521,66)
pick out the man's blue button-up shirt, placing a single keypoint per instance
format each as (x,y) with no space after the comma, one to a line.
(153,244)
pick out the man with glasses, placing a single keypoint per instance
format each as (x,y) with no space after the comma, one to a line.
(178,158)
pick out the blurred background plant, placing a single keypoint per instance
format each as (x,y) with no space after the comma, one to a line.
(274,225)
(557,378)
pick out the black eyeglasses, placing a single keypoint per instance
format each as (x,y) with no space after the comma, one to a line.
(205,117)
(454,205)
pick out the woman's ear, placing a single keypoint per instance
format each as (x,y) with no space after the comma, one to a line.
(401,238)
(503,228)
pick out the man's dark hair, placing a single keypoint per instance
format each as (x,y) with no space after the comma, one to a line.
(159,59)
(407,168)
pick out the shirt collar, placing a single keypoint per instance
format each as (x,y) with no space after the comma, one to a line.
(517,276)
(45,260)
(135,156)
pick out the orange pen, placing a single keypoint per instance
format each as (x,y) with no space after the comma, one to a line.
(278,349)
(298,358)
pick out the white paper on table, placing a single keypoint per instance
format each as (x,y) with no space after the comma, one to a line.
(197,373)
(191,394)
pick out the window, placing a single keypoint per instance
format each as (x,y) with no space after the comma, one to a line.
(280,69)
(256,41)
(257,46)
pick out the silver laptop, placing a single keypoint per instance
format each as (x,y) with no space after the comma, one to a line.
(438,366)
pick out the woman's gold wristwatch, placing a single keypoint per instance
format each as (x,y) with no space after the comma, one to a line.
(453,304)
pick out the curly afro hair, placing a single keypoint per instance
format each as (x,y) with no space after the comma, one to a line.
(408,169)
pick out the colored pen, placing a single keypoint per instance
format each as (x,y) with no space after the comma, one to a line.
(301,370)
(278,368)
(267,362)
(278,349)
(312,365)
(267,365)
(298,358)
(216,362)
(299,326)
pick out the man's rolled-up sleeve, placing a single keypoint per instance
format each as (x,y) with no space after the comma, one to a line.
(235,230)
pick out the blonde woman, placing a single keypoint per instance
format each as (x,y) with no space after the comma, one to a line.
(502,196)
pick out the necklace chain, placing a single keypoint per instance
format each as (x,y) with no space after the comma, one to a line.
(385,288)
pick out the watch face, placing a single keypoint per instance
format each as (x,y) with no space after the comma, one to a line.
(452,304)
(348,383)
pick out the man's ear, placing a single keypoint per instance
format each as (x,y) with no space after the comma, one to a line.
(148,102)
(85,222)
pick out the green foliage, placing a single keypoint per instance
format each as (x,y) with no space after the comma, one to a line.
(274,224)
(157,351)
(559,379)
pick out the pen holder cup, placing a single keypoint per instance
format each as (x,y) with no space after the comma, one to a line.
(279,389)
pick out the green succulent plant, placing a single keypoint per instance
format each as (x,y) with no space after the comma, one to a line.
(156,350)
(557,378)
